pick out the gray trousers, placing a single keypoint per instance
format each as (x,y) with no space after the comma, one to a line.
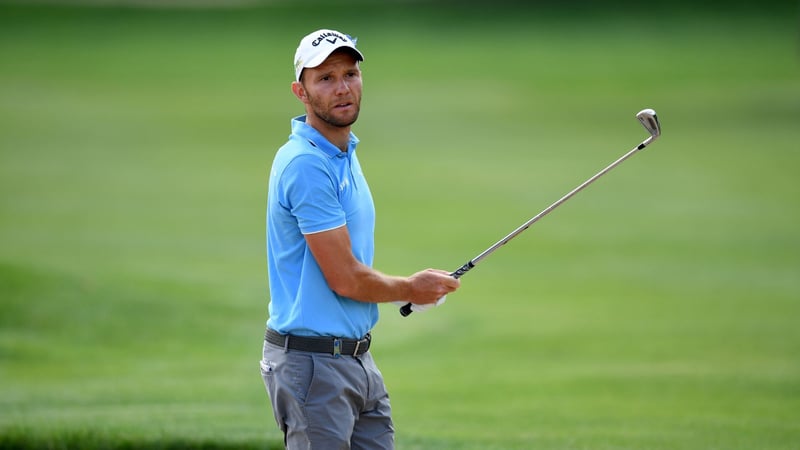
(323,402)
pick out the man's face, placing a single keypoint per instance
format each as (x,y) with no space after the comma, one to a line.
(333,89)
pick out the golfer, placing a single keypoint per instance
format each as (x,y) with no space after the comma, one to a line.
(325,389)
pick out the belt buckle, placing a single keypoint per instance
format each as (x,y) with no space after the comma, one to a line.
(365,340)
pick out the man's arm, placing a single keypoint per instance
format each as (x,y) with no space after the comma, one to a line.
(350,278)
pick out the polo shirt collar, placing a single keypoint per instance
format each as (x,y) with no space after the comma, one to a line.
(315,138)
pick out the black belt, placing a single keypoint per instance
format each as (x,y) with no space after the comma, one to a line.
(330,345)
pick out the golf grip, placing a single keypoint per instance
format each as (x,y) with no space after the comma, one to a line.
(406,309)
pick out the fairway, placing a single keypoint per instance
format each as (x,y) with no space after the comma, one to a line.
(657,309)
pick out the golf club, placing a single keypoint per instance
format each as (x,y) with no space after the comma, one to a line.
(649,120)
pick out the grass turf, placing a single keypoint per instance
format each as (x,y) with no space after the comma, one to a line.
(655,310)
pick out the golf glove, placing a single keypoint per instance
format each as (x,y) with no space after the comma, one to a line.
(422,308)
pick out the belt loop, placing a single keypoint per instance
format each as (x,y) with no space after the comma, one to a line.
(286,344)
(337,348)
(358,344)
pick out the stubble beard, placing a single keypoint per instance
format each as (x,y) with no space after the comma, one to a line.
(324,114)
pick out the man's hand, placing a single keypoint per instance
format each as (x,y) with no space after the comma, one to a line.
(431,285)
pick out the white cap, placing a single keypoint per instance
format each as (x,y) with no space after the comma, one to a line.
(315,48)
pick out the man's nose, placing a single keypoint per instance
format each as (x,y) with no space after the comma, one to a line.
(343,87)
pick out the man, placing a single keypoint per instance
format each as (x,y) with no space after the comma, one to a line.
(325,388)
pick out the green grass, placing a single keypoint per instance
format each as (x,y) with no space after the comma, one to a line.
(657,309)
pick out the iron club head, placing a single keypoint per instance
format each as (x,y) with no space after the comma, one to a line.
(649,119)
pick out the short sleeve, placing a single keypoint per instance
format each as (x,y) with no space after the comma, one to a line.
(309,192)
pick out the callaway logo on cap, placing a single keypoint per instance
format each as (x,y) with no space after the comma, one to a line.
(317,46)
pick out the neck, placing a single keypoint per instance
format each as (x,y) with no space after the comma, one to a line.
(338,136)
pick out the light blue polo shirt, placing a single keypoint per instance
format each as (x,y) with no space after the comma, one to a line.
(314,187)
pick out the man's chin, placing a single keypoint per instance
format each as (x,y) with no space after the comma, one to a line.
(343,119)
(343,122)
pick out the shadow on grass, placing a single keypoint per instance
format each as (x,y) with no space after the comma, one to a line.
(88,440)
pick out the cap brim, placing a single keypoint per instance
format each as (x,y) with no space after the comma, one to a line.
(320,58)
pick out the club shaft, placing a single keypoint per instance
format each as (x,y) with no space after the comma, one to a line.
(406,309)
(555,205)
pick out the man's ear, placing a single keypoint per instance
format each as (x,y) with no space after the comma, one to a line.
(299,91)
